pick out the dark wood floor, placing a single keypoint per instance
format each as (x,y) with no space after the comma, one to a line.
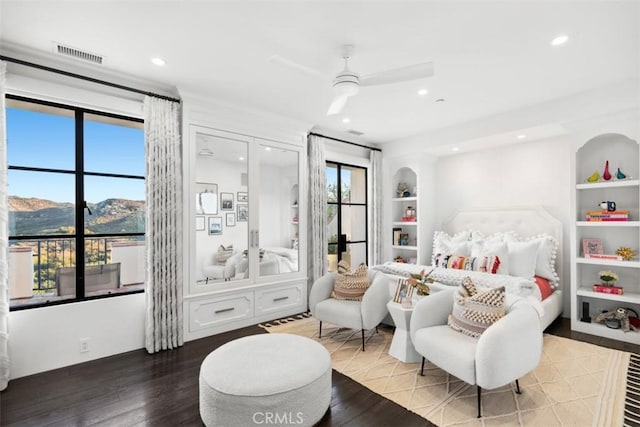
(135,388)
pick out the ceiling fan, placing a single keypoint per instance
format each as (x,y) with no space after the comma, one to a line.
(347,83)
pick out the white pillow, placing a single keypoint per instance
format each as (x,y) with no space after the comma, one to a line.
(523,257)
(490,248)
(457,244)
(546,259)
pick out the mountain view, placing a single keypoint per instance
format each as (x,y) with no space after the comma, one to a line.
(33,216)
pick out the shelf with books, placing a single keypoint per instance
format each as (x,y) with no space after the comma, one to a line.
(404,215)
(609,262)
(607,223)
(626,297)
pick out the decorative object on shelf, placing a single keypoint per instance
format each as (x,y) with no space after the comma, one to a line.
(614,290)
(419,281)
(396,235)
(608,277)
(404,239)
(607,215)
(585,312)
(626,253)
(398,259)
(606,175)
(620,175)
(620,318)
(403,190)
(591,247)
(595,177)
(608,206)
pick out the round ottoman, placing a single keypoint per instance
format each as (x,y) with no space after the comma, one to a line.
(272,379)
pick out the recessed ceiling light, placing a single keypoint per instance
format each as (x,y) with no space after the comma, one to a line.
(240,158)
(423,92)
(158,61)
(455,149)
(346,120)
(521,136)
(267,148)
(559,40)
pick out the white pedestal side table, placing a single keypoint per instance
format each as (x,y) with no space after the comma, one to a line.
(401,345)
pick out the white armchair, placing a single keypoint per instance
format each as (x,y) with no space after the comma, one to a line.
(365,314)
(506,351)
(213,269)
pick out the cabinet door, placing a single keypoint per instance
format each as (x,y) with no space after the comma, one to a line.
(221,209)
(279,212)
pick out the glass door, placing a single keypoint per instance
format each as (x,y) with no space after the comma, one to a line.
(346,214)
(221,207)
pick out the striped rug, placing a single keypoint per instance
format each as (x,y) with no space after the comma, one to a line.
(575,384)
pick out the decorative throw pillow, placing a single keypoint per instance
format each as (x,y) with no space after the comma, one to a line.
(224,254)
(523,257)
(457,244)
(487,264)
(546,257)
(475,310)
(350,285)
(544,286)
(493,255)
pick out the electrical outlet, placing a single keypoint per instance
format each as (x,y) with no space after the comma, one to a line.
(84,345)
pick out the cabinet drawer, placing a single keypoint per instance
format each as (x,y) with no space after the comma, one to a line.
(208,313)
(275,299)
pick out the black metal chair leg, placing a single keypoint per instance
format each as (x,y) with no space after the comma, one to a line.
(479,401)
(422,368)
(362,331)
(518,387)
(376,329)
(320,330)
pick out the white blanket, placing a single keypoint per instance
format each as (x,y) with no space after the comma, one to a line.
(518,289)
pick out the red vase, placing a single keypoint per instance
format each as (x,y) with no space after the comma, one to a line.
(606,175)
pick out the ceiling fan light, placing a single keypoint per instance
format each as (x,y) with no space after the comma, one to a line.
(345,88)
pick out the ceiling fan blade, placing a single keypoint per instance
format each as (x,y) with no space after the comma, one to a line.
(412,72)
(337,104)
(292,64)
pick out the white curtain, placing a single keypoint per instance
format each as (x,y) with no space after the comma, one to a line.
(317,249)
(4,241)
(164,327)
(378,224)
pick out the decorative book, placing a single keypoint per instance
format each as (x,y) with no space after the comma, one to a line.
(604,256)
(616,290)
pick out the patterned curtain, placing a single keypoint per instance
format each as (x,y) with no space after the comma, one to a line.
(317,235)
(378,247)
(4,242)
(164,324)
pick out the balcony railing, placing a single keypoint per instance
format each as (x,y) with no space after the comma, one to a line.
(48,255)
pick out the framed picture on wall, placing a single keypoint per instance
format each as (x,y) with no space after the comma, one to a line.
(206,198)
(592,247)
(226,201)
(243,197)
(199,223)
(231,219)
(243,212)
(215,225)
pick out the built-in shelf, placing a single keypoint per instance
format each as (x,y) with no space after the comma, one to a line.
(628,297)
(608,184)
(406,247)
(609,262)
(607,223)
(600,329)
(405,199)
(404,223)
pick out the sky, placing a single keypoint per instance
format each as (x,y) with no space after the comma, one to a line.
(46,140)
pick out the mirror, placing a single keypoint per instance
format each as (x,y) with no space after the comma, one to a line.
(279,211)
(221,196)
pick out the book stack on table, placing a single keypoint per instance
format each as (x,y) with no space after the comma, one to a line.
(608,216)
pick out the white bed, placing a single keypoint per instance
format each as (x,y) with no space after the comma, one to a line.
(526,222)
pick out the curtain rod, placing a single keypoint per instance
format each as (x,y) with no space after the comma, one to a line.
(346,142)
(89,79)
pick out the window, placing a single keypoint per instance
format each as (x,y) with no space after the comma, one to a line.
(346,214)
(76,190)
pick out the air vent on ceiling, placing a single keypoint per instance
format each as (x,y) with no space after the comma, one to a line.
(77,53)
(355,132)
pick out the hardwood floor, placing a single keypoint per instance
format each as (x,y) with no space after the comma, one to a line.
(135,388)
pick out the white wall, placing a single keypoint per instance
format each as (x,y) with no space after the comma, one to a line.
(41,339)
(525,174)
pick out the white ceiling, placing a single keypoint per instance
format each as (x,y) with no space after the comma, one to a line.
(490,57)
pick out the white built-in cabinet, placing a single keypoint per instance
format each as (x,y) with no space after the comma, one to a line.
(246,192)
(621,152)
(404,217)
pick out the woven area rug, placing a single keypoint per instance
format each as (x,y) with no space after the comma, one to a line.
(576,384)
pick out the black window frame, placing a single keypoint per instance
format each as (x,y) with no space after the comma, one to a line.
(342,241)
(80,203)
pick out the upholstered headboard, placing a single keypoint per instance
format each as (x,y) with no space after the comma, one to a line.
(527,221)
